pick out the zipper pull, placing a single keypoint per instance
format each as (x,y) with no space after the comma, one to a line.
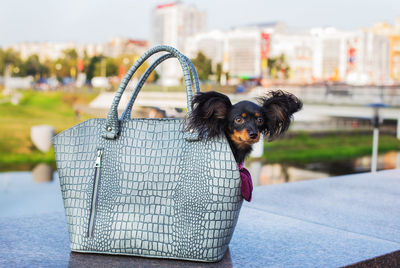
(98,158)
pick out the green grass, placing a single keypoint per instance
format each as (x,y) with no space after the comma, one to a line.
(56,108)
(303,147)
(35,108)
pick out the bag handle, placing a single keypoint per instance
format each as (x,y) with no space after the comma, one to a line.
(111,128)
(128,110)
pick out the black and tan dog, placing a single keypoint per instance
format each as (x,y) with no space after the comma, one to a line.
(214,115)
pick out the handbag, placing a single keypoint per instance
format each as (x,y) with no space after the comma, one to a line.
(148,187)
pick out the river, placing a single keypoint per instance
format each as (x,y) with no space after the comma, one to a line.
(27,193)
(265,174)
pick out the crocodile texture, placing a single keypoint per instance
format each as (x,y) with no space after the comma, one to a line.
(156,191)
(159,195)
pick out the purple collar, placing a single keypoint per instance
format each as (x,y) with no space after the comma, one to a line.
(246,186)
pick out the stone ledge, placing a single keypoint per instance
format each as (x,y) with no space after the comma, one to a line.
(335,222)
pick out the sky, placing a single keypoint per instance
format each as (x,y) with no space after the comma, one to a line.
(97,21)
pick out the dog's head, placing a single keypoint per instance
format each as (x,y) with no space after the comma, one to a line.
(214,115)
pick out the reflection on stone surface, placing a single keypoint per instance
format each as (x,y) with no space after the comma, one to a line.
(281,173)
(42,173)
(391,160)
(388,160)
(276,173)
(101,260)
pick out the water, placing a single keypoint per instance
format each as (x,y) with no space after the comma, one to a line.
(265,174)
(36,192)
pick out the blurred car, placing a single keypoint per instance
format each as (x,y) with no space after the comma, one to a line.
(100,82)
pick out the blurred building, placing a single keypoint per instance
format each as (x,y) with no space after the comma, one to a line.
(90,49)
(240,50)
(212,44)
(298,49)
(171,25)
(393,34)
(357,57)
(367,56)
(243,53)
(395,57)
(44,50)
(54,50)
(320,54)
(124,46)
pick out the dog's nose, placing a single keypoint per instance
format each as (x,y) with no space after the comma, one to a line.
(253,135)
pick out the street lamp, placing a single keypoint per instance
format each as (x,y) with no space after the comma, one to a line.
(376,121)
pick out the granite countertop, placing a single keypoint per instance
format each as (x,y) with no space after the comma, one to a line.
(326,222)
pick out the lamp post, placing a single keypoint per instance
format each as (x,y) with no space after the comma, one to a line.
(376,121)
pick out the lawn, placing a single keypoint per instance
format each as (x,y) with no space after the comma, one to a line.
(303,147)
(56,108)
(35,108)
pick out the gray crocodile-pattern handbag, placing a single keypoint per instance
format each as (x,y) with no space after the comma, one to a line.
(147,187)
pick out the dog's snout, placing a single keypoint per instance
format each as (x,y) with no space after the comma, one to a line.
(253,135)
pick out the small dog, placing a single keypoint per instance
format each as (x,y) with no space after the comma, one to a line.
(213,115)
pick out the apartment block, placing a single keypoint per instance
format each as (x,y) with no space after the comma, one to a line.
(171,25)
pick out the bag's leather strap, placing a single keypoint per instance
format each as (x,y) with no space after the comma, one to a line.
(112,127)
(128,110)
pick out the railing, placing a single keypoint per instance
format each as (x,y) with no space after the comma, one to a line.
(347,95)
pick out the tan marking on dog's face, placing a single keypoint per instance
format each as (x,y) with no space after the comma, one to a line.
(257,114)
(242,139)
(244,114)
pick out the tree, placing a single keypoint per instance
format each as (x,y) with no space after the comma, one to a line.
(111,67)
(278,67)
(218,72)
(8,58)
(66,66)
(33,66)
(105,67)
(90,70)
(124,63)
(70,54)
(203,66)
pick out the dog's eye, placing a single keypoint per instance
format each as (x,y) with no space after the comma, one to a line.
(239,120)
(260,121)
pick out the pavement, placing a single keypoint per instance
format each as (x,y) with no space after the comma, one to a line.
(331,222)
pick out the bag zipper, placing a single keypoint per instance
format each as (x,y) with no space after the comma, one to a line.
(97,167)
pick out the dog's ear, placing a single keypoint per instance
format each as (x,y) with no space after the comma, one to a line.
(278,108)
(209,114)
